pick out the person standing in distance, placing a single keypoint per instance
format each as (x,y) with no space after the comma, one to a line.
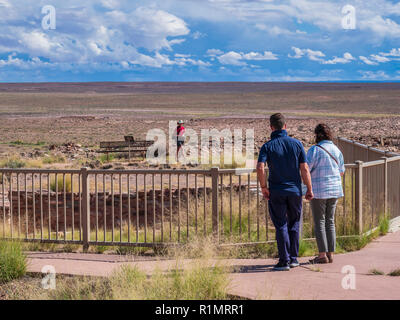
(180,137)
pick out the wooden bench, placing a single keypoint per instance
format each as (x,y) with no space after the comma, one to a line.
(129,145)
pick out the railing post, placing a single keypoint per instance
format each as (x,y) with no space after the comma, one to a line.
(85,210)
(385,185)
(359,197)
(301,223)
(215,218)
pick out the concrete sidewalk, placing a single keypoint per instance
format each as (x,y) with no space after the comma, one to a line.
(255,279)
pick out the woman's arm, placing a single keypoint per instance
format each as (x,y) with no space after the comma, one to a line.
(311,158)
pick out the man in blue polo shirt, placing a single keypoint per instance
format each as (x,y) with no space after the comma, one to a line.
(287,164)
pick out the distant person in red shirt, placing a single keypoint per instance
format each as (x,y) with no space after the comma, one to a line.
(180,136)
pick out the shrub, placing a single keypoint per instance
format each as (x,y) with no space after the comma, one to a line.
(60,183)
(13,262)
(306,248)
(103,158)
(384,225)
(13,164)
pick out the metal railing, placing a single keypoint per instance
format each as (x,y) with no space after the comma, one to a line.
(377,182)
(164,207)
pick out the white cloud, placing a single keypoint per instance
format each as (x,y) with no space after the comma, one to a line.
(318,56)
(347,58)
(86,37)
(379,58)
(37,42)
(267,55)
(197,35)
(375,59)
(311,54)
(277,31)
(377,18)
(13,61)
(183,61)
(232,58)
(393,53)
(214,52)
(381,27)
(5,3)
(176,41)
(238,58)
(378,75)
(110,4)
(368,61)
(157,61)
(148,27)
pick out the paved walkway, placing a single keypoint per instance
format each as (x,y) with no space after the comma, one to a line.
(254,278)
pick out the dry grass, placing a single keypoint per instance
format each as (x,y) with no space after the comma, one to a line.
(13,263)
(63,182)
(202,278)
(394,273)
(376,272)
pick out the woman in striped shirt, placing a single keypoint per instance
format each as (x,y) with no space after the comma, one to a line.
(327,167)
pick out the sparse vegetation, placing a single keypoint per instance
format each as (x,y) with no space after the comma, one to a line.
(22,143)
(315,269)
(376,272)
(394,273)
(17,163)
(51,159)
(384,224)
(13,163)
(34,163)
(355,243)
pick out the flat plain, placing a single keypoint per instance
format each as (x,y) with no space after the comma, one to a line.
(48,114)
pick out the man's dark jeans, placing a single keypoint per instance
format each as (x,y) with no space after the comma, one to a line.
(285,212)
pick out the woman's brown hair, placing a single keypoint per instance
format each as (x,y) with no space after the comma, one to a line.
(323,132)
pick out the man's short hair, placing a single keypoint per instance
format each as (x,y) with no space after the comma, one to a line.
(277,121)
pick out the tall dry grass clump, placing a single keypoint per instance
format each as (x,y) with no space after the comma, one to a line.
(60,183)
(13,261)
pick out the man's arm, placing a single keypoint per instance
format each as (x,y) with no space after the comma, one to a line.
(306,176)
(262,179)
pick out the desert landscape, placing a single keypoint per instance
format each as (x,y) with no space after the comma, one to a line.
(61,125)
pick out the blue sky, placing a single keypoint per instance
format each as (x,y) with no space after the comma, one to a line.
(204,40)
